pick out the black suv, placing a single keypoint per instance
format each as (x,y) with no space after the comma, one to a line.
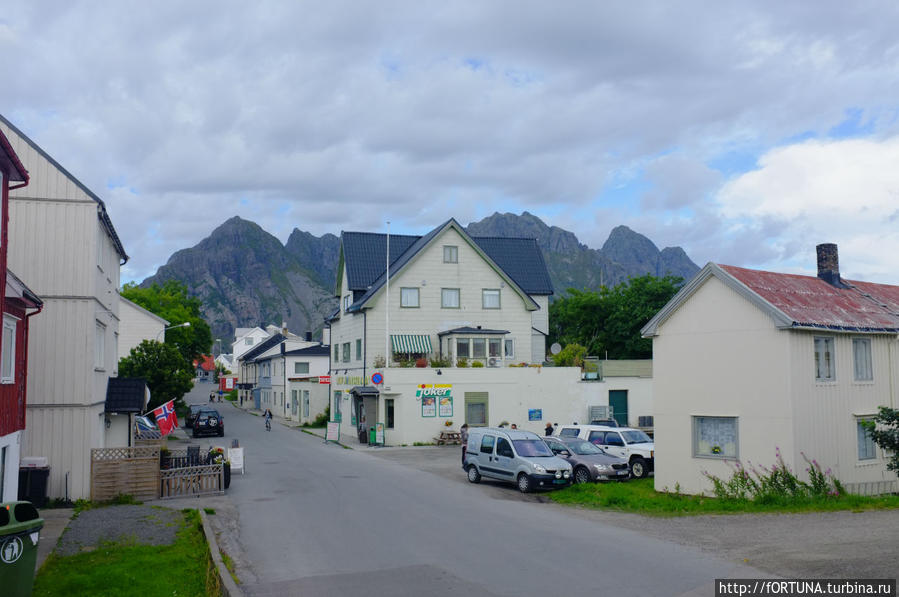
(208,422)
(192,414)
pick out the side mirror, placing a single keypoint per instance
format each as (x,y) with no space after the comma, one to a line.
(565,453)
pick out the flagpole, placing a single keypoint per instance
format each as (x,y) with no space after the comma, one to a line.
(387,310)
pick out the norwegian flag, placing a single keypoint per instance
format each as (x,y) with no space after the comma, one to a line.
(166,417)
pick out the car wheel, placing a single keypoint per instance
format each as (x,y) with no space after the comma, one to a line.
(524,483)
(638,468)
(582,475)
(473,475)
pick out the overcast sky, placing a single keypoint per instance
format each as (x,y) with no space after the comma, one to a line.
(744,132)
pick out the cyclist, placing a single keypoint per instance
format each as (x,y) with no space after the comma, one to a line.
(267,415)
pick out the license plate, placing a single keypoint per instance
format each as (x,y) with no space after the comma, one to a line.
(559,481)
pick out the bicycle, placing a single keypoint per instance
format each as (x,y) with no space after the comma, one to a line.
(268,424)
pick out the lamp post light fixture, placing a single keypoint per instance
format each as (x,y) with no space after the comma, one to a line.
(186,324)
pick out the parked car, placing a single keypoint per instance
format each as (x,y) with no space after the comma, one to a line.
(605,422)
(631,444)
(208,422)
(589,461)
(192,414)
(515,456)
(145,423)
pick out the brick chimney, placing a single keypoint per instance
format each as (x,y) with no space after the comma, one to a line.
(829,264)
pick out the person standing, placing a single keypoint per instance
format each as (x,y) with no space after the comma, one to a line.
(549,429)
(464,435)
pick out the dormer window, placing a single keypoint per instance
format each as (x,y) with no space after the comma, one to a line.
(347,301)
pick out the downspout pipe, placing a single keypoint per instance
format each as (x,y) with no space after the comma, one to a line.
(28,316)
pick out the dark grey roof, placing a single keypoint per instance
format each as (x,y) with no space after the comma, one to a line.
(364,254)
(104,217)
(471,330)
(310,351)
(125,394)
(365,391)
(262,347)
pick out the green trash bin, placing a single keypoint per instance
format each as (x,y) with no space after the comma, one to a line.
(372,436)
(20,529)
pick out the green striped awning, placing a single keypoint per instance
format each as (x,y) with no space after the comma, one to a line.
(411,344)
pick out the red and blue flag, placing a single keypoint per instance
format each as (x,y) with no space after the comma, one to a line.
(166,417)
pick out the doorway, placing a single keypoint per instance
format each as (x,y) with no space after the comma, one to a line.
(618,402)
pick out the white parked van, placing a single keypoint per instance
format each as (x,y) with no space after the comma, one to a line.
(631,444)
(519,457)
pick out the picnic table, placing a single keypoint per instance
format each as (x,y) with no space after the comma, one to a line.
(449,437)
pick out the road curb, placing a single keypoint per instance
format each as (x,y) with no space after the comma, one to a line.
(229,587)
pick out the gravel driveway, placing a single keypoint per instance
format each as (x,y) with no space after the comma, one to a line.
(145,525)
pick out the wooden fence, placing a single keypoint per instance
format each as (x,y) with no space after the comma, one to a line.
(132,471)
(192,480)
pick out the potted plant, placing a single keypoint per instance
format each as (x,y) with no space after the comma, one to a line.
(165,458)
(421,362)
(216,455)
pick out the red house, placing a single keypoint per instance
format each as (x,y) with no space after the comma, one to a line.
(17,305)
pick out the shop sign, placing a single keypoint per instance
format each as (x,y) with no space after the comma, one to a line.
(431,394)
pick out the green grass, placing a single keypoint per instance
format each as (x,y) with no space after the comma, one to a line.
(639,497)
(124,568)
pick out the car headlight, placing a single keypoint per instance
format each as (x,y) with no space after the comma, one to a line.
(603,468)
(566,473)
(539,468)
(558,474)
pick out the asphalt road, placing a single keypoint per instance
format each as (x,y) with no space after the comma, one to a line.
(318,519)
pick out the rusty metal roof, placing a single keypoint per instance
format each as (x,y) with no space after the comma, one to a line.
(811,302)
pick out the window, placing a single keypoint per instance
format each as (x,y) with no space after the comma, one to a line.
(388,407)
(249,341)
(503,448)
(359,349)
(494,346)
(301,367)
(336,352)
(347,301)
(408,297)
(99,345)
(595,437)
(865,442)
(306,403)
(450,254)
(510,348)
(479,348)
(490,298)
(8,356)
(462,348)
(861,354)
(346,352)
(487,444)
(449,298)
(715,437)
(824,365)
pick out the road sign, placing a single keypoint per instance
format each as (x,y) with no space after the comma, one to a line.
(324,379)
(377,379)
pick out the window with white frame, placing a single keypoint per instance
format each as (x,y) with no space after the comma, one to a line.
(408,297)
(715,437)
(510,348)
(462,348)
(305,403)
(478,348)
(358,349)
(490,298)
(249,340)
(449,298)
(494,347)
(450,254)
(866,449)
(824,359)
(861,356)
(347,301)
(99,345)
(301,367)
(346,352)
(8,356)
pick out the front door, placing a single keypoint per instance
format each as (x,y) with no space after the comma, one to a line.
(618,402)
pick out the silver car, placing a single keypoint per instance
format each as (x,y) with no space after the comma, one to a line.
(590,462)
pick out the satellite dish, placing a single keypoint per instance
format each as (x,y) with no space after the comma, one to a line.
(556,348)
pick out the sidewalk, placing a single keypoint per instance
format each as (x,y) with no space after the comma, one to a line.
(55,522)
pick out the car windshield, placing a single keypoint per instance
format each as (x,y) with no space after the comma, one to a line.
(635,436)
(584,448)
(531,447)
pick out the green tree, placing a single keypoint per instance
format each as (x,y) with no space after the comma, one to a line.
(609,321)
(172,302)
(570,356)
(887,437)
(168,376)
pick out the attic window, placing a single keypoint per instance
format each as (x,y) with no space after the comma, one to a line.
(450,254)
(824,359)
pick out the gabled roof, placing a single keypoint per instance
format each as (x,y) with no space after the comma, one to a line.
(799,302)
(262,347)
(104,217)
(206,363)
(310,351)
(19,294)
(146,312)
(519,260)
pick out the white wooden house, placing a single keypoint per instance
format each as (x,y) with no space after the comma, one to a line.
(62,240)
(136,324)
(748,362)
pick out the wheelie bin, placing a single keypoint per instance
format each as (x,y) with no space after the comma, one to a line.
(20,529)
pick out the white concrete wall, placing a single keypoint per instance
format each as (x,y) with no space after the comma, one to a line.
(718,355)
(119,430)
(558,391)
(639,395)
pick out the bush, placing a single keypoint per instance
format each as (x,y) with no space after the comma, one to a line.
(462,362)
(441,362)
(777,484)
(570,356)
(477,364)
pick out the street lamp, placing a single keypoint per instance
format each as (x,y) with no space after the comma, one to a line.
(186,324)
